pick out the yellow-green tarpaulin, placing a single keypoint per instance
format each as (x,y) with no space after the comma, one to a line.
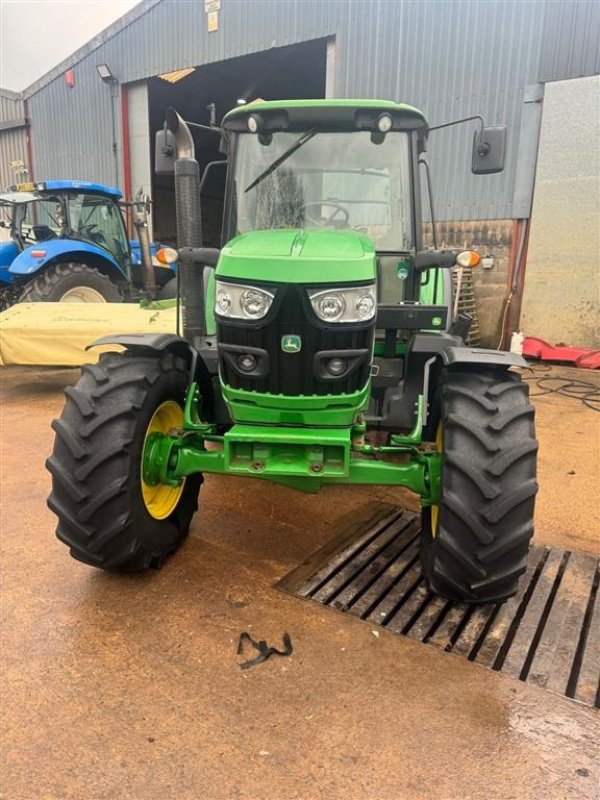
(56,334)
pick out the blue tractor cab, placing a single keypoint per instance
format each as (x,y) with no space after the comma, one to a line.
(68,243)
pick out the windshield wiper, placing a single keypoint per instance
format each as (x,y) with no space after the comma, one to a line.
(283,157)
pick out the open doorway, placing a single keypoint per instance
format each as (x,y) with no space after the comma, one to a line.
(283,73)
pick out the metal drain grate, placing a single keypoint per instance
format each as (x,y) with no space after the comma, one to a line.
(548,634)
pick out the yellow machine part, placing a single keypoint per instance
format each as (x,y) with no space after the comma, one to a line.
(56,334)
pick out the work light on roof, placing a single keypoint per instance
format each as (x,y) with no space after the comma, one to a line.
(384,123)
(252,123)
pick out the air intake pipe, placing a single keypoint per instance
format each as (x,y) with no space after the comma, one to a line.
(189,230)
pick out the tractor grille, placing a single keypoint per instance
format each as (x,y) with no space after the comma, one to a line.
(294,373)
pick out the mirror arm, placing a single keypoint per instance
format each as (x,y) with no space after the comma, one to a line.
(210,128)
(483,148)
(459,122)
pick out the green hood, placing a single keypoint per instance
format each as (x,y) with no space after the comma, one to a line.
(299,256)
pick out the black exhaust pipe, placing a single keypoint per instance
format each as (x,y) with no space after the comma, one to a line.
(189,230)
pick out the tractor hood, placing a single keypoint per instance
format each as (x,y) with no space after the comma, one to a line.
(37,256)
(299,256)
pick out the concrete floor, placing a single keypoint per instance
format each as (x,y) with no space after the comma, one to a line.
(128,688)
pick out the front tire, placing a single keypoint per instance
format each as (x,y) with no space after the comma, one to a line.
(71,283)
(107,515)
(475,542)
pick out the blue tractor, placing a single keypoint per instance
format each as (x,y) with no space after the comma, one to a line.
(68,243)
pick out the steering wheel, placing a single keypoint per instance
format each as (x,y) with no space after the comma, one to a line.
(323,222)
(88,229)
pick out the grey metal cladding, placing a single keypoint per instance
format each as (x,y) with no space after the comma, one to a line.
(451,58)
(13,141)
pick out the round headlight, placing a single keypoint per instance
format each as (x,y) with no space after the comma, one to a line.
(252,124)
(255,303)
(331,306)
(365,306)
(223,303)
(384,123)
(246,362)
(336,367)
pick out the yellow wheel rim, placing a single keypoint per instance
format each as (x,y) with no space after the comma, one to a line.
(161,500)
(435,510)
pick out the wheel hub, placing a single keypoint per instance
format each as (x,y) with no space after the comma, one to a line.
(160,495)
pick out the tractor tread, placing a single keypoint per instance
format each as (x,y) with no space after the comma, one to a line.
(111,450)
(488,487)
(509,416)
(489,442)
(73,488)
(102,497)
(50,285)
(83,403)
(498,466)
(69,438)
(110,416)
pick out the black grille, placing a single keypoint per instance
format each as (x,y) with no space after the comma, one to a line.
(295,373)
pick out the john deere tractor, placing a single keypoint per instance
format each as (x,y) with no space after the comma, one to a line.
(318,348)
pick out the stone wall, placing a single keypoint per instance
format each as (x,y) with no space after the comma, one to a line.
(491,238)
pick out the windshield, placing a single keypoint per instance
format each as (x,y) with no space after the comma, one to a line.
(326,180)
(98,220)
(34,220)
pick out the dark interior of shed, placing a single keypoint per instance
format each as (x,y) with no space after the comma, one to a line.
(282,73)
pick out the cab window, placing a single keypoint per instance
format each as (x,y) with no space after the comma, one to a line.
(98,220)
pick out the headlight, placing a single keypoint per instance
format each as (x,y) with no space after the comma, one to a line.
(241,302)
(329,306)
(351,304)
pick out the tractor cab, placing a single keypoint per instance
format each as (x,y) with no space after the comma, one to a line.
(38,212)
(322,223)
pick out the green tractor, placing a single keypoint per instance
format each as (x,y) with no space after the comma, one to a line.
(318,348)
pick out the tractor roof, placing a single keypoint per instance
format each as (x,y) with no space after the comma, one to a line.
(47,187)
(327,114)
(88,187)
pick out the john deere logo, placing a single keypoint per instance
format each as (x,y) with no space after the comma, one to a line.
(291,344)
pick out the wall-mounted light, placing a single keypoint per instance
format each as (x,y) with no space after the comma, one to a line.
(108,78)
(70,78)
(105,74)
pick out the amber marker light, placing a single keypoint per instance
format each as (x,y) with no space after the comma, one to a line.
(468,258)
(166,255)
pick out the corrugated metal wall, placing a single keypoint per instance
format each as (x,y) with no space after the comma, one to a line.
(451,58)
(13,141)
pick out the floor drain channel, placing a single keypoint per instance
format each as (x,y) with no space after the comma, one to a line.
(548,634)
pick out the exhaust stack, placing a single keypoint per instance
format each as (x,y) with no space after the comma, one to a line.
(189,229)
(140,222)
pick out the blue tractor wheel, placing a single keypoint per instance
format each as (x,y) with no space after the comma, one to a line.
(71,283)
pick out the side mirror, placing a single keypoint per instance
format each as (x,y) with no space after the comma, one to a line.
(164,152)
(489,147)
